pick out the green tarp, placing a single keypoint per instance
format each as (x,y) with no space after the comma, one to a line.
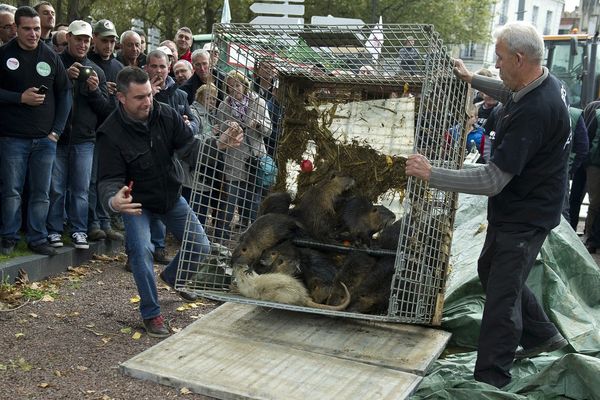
(567,281)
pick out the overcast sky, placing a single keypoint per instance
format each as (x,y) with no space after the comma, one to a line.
(570,4)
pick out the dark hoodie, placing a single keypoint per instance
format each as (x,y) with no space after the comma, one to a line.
(177,99)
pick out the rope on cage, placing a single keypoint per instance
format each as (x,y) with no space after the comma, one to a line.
(341,248)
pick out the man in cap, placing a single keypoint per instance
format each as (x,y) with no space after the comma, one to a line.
(34,93)
(104,38)
(72,168)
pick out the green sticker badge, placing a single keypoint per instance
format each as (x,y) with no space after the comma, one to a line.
(43,68)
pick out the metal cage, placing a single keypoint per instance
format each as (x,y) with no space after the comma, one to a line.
(387,90)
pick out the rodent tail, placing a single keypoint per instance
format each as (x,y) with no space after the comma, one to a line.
(339,307)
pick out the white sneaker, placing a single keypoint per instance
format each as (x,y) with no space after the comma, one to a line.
(55,240)
(79,240)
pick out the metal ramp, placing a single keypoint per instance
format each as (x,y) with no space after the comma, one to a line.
(242,351)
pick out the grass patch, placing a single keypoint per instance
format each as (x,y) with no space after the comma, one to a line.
(20,251)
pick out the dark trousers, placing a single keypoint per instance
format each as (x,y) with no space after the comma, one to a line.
(512,314)
(576,196)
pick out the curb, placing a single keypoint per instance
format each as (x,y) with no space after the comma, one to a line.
(39,267)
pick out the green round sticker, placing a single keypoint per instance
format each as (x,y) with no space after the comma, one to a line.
(43,68)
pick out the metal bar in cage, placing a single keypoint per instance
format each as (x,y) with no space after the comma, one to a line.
(342,249)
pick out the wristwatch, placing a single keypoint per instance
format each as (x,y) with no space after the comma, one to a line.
(55,135)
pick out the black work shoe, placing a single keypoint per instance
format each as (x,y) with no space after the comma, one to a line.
(187,297)
(156,327)
(113,235)
(8,246)
(160,256)
(556,342)
(43,248)
(96,234)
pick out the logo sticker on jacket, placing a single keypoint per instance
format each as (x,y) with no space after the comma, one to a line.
(12,64)
(43,68)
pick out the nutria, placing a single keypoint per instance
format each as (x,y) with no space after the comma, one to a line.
(277,203)
(267,231)
(360,219)
(318,273)
(283,258)
(279,288)
(316,208)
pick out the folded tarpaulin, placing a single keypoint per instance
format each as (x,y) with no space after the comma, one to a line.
(565,278)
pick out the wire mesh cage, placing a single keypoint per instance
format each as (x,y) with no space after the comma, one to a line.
(301,172)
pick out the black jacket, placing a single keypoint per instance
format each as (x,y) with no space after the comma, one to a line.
(191,86)
(88,109)
(131,150)
(111,68)
(177,99)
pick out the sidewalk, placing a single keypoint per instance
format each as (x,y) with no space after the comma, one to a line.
(39,267)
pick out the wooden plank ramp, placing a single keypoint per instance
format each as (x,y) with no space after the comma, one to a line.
(241,351)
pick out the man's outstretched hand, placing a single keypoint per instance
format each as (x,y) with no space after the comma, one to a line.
(123,202)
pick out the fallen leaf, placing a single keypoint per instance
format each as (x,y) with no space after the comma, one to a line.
(105,340)
(100,283)
(24,365)
(3,367)
(90,391)
(47,297)
(136,335)
(34,286)
(185,390)
(176,329)
(135,299)
(182,308)
(44,385)
(82,368)
(18,335)
(126,330)
(74,314)
(90,325)
(57,373)
(32,315)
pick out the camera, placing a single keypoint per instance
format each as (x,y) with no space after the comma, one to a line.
(84,73)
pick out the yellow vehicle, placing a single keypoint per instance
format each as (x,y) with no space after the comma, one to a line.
(574,59)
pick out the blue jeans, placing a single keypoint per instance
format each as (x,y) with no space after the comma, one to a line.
(71,178)
(17,156)
(158,232)
(140,248)
(98,217)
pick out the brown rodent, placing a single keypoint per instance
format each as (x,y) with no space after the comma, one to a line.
(360,219)
(267,231)
(316,208)
(275,203)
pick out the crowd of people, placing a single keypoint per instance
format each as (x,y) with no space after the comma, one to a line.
(87,132)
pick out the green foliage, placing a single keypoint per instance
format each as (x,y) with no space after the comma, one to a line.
(456,21)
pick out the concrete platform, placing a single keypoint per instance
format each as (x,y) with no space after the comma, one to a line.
(39,267)
(242,351)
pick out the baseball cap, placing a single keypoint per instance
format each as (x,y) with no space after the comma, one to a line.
(105,28)
(79,27)
(209,47)
(165,50)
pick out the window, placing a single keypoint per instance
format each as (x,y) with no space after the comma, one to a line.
(503,12)
(548,23)
(534,16)
(468,51)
